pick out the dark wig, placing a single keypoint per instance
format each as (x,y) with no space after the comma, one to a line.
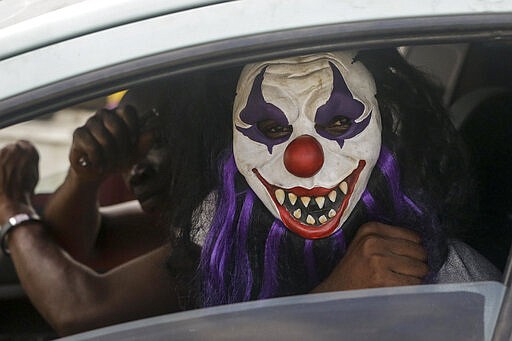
(431,157)
(198,128)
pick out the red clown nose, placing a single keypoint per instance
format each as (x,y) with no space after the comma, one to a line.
(304,156)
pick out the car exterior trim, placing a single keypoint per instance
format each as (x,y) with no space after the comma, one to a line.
(372,34)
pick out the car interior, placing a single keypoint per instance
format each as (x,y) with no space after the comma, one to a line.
(476,80)
(477,84)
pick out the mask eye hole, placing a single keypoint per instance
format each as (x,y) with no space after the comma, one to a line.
(273,129)
(337,126)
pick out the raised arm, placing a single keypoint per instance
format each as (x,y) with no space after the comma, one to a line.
(103,146)
(70,296)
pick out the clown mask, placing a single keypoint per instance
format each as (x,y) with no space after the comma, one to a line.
(307,135)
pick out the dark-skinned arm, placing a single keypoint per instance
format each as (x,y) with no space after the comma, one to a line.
(109,143)
(74,298)
(71,296)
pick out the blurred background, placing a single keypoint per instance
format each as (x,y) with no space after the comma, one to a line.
(52,135)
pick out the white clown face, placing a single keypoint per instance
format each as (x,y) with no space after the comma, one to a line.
(307,135)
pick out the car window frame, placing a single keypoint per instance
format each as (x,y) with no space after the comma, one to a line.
(241,50)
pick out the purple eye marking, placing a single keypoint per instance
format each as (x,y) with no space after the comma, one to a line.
(341,103)
(257,109)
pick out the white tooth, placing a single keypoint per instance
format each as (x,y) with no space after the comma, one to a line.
(293,198)
(320,201)
(279,196)
(310,220)
(332,196)
(332,213)
(297,213)
(305,201)
(344,187)
(322,219)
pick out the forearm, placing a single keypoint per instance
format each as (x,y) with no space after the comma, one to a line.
(73,217)
(67,294)
(72,298)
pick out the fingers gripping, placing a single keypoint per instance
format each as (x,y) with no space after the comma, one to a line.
(398,250)
(129,117)
(380,255)
(388,231)
(104,144)
(86,147)
(19,172)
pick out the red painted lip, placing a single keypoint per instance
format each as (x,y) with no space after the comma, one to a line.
(313,231)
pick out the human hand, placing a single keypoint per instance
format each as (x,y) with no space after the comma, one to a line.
(379,256)
(19,175)
(108,142)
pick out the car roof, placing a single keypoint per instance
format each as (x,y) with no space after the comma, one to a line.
(36,23)
(88,37)
(18,11)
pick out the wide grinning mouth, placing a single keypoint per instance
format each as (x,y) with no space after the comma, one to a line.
(313,213)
